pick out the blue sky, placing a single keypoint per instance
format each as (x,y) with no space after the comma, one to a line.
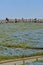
(21,8)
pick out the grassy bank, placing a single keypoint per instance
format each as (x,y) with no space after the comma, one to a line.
(21,45)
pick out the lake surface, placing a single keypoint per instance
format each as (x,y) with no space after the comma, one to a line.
(27,34)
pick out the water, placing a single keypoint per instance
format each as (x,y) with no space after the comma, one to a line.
(29,34)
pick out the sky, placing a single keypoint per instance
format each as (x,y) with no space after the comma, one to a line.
(21,8)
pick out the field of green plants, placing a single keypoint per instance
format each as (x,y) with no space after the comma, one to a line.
(18,39)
